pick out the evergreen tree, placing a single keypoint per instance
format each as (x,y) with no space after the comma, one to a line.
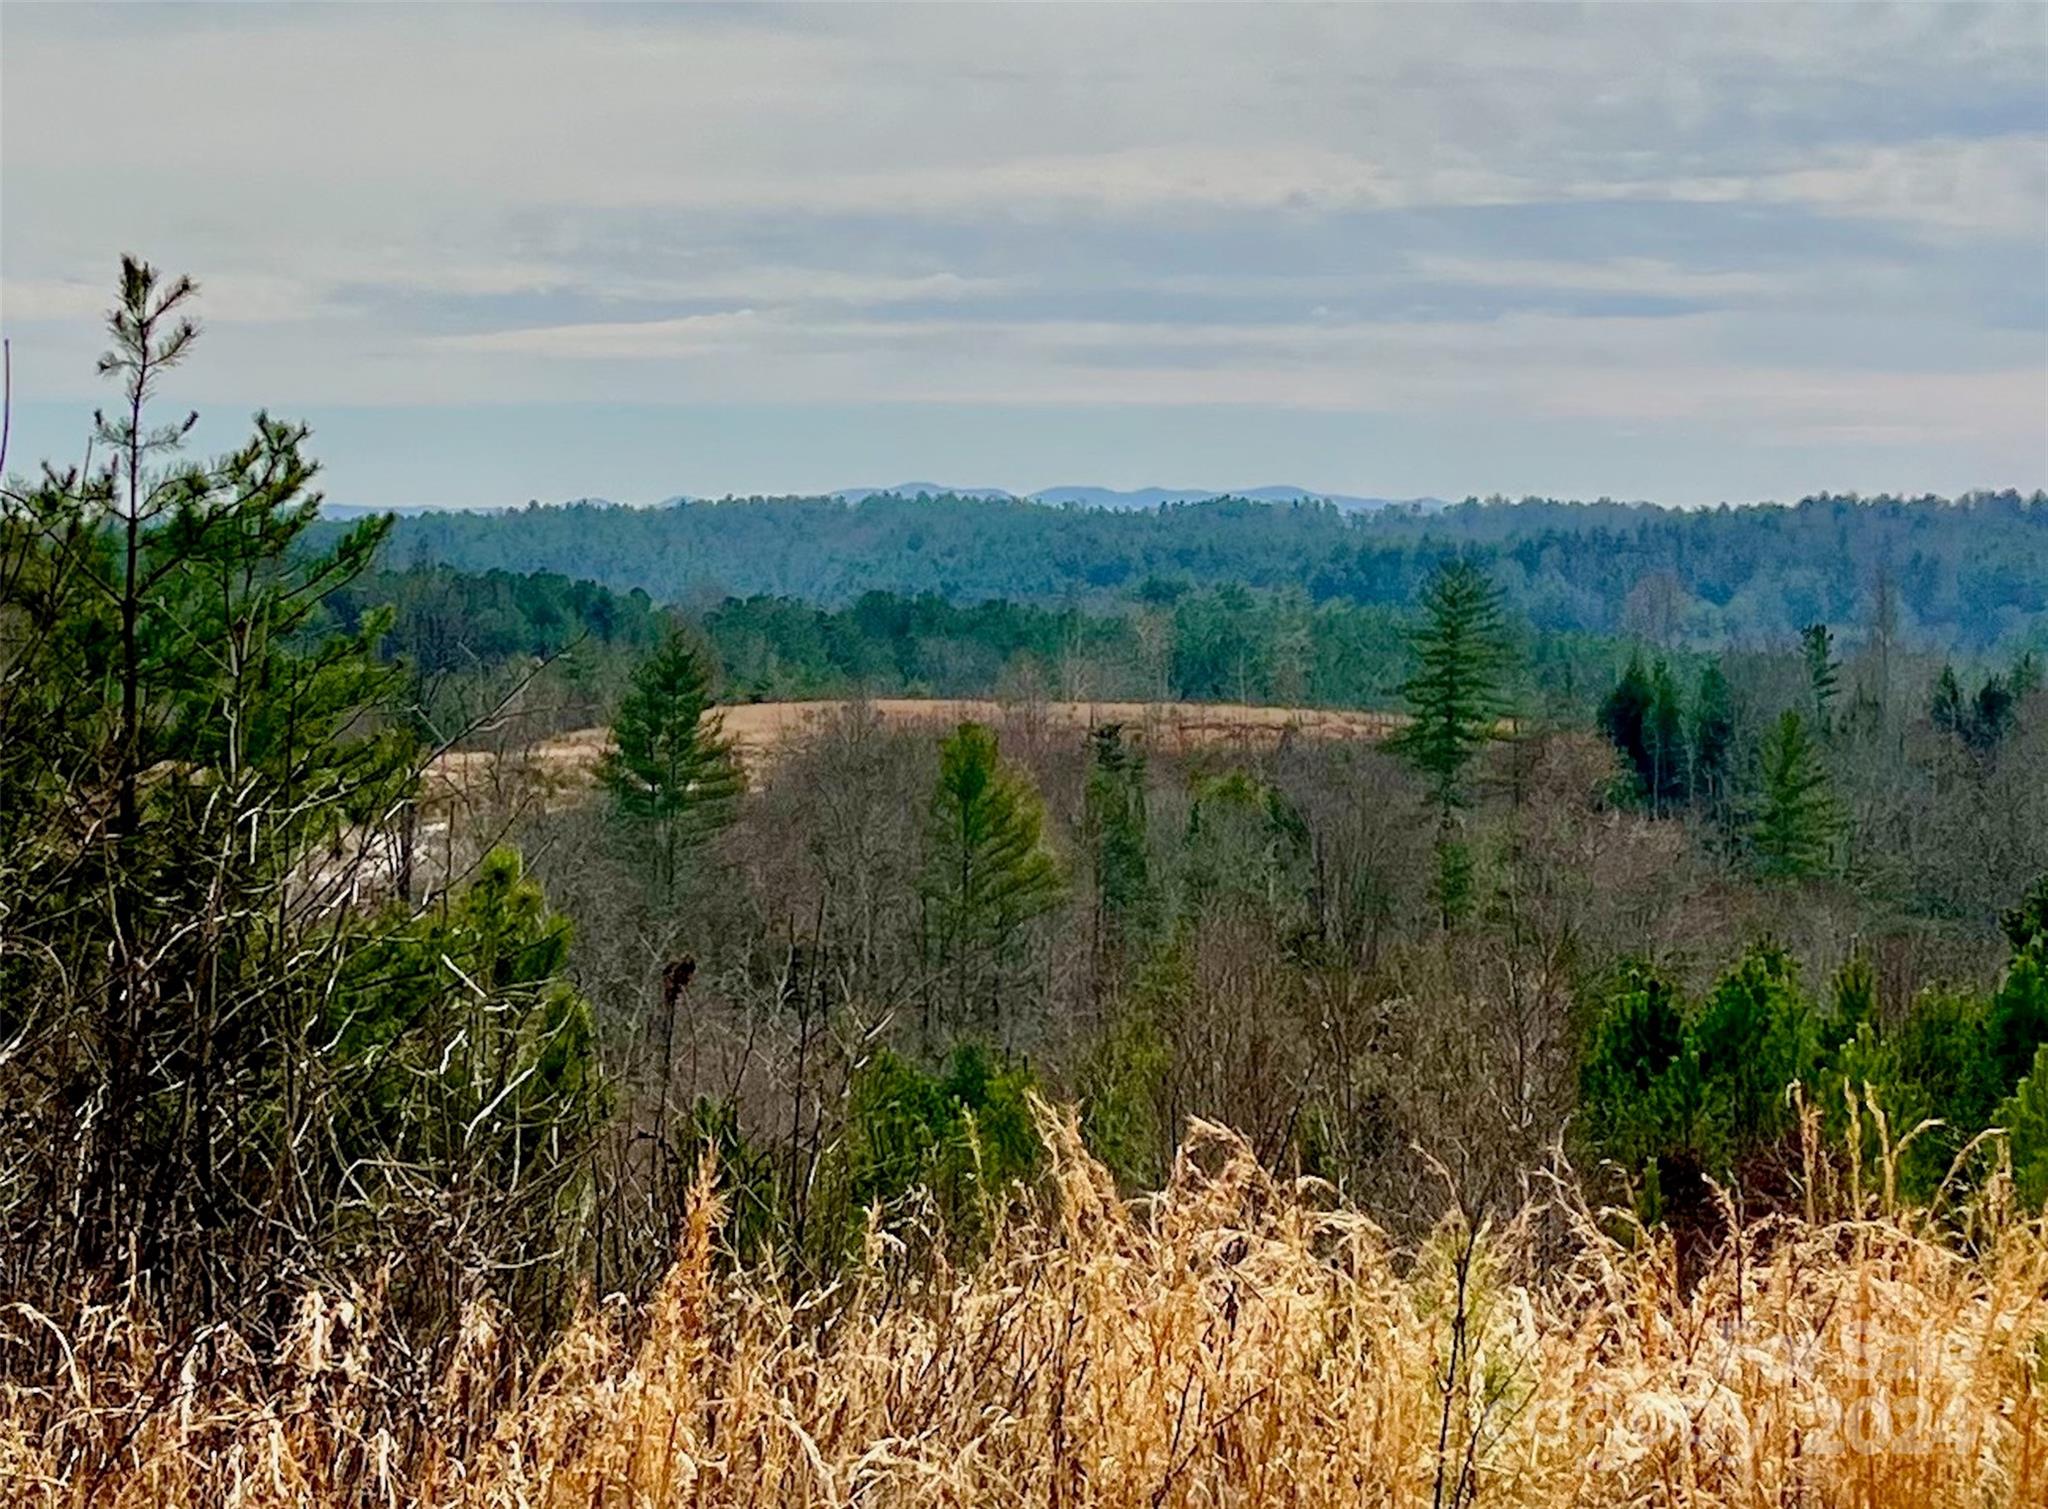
(2016,1022)
(1713,742)
(987,869)
(1639,1083)
(1114,819)
(1625,716)
(199,779)
(1664,741)
(184,649)
(1754,1035)
(1823,674)
(1455,704)
(1982,722)
(670,766)
(2024,1115)
(1947,710)
(2024,679)
(1795,827)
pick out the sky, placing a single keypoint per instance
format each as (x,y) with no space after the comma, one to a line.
(1688,254)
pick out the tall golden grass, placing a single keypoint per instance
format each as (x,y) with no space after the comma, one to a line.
(1233,1340)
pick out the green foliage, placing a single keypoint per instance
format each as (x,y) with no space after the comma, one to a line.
(1221,643)
(964,1135)
(2024,1115)
(1455,703)
(1113,821)
(444,620)
(1854,1002)
(1958,1055)
(1941,1048)
(1665,737)
(1625,717)
(1754,1036)
(931,1150)
(670,769)
(1659,1082)
(1661,1085)
(461,1055)
(1455,696)
(1639,1078)
(1713,742)
(1979,577)
(184,767)
(987,868)
(1981,723)
(1122,1089)
(2016,1022)
(1823,674)
(1797,821)
(1644,718)
(464,642)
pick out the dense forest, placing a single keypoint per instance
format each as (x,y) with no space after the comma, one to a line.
(459,633)
(1704,882)
(1964,576)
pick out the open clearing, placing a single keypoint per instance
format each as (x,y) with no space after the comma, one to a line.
(761,730)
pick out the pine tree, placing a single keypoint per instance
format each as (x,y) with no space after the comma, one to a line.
(1713,743)
(670,767)
(1625,716)
(1980,723)
(1823,674)
(1754,1035)
(2025,677)
(987,868)
(1795,828)
(1455,703)
(1114,819)
(1639,1080)
(2024,1115)
(195,788)
(1664,740)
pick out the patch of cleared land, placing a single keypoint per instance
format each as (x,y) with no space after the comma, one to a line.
(760,730)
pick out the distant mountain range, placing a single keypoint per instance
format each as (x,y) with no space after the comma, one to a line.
(1143,497)
(1075,496)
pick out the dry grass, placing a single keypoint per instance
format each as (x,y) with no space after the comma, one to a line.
(762,730)
(1231,1341)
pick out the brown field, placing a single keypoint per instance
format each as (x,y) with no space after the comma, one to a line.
(1235,1340)
(761,729)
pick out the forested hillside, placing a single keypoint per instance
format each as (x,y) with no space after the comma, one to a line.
(1967,576)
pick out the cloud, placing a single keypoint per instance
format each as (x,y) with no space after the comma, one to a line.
(233,298)
(1651,276)
(1994,187)
(1763,216)
(687,336)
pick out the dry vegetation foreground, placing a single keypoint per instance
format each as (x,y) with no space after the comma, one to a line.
(761,731)
(1233,1340)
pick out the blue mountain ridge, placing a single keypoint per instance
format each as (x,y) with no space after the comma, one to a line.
(1077,496)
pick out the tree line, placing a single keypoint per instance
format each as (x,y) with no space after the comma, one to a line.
(1964,575)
